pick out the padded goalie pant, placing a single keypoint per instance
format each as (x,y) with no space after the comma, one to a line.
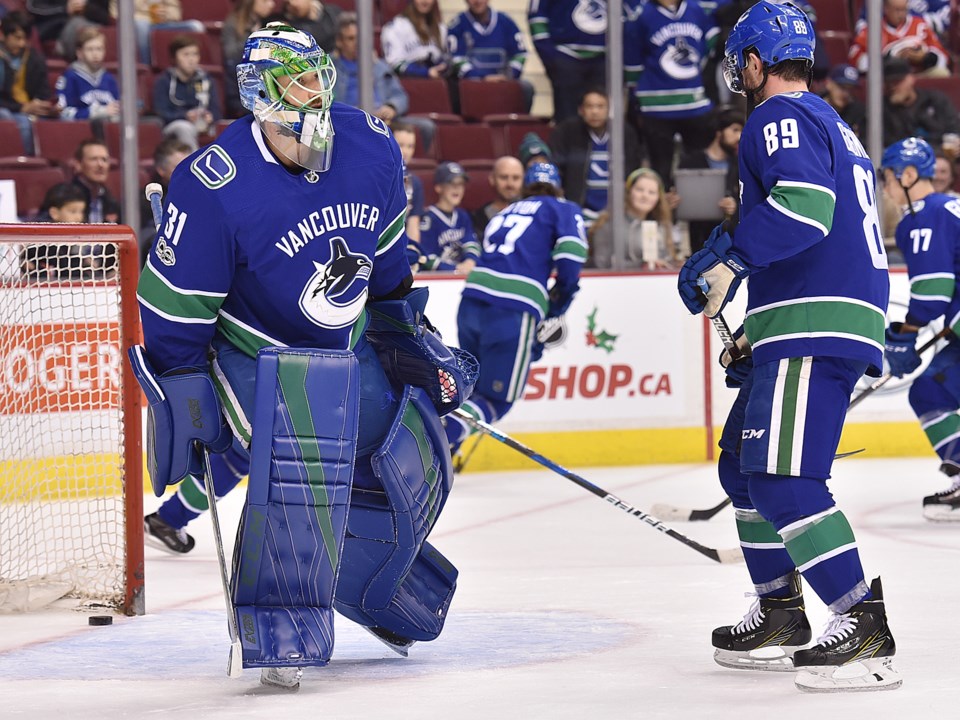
(295,549)
(935,398)
(778,445)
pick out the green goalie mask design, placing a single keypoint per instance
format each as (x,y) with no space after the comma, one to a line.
(286,80)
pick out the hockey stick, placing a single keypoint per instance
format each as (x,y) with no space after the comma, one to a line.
(731,555)
(154,193)
(460,460)
(884,379)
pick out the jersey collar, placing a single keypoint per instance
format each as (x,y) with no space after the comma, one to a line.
(261,143)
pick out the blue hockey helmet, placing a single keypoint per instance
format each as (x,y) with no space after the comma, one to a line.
(909,151)
(286,80)
(543,173)
(775,31)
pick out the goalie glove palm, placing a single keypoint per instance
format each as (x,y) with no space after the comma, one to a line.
(709,278)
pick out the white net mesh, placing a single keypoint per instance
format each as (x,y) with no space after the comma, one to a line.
(62,424)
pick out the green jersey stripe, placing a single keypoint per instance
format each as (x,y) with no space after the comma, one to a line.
(245,338)
(932,289)
(810,204)
(159,294)
(393,232)
(570,247)
(813,317)
(514,287)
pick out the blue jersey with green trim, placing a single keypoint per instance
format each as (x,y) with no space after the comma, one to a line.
(810,233)
(265,256)
(929,238)
(522,245)
(446,240)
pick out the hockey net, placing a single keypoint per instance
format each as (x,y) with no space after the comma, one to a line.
(71,487)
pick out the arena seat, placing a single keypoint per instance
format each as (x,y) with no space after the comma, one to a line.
(57,140)
(479,98)
(32,184)
(465,142)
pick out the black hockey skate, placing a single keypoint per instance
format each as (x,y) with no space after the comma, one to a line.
(166,537)
(855,652)
(944,506)
(768,636)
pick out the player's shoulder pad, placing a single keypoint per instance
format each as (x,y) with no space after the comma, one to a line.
(213,167)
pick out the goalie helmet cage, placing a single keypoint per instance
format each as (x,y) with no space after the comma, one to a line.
(71,462)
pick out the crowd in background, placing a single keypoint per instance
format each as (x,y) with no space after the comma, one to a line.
(58,64)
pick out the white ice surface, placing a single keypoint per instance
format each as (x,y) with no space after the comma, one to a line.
(566,608)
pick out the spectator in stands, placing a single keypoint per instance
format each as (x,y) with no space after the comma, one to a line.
(570,37)
(93,168)
(389,97)
(720,154)
(506,179)
(935,12)
(944,175)
(414,42)
(909,110)
(62,203)
(904,36)
(184,96)
(649,241)
(838,92)
(406,137)
(151,15)
(86,91)
(488,45)
(24,91)
(665,47)
(447,241)
(61,20)
(581,151)
(168,154)
(246,16)
(534,150)
(316,18)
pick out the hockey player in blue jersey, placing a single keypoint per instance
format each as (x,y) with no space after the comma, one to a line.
(279,324)
(929,238)
(810,242)
(447,240)
(506,296)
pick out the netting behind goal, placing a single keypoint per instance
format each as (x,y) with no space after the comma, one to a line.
(71,488)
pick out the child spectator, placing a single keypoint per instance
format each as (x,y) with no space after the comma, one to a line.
(415,41)
(85,90)
(63,203)
(246,16)
(447,240)
(406,137)
(24,91)
(184,96)
(649,238)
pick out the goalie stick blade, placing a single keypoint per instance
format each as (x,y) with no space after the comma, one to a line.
(235,661)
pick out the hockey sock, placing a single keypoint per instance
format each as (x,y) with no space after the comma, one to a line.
(943,431)
(763,550)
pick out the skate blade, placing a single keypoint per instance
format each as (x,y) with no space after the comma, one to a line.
(862,676)
(941,513)
(769,659)
(401,649)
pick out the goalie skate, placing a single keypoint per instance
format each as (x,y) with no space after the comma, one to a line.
(944,506)
(768,636)
(855,652)
(285,678)
(400,645)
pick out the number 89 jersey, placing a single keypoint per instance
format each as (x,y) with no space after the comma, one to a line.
(521,246)
(810,232)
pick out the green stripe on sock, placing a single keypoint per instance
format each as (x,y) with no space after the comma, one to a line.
(819,538)
(758,532)
(193,494)
(940,431)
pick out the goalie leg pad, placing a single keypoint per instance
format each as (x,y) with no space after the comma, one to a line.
(290,541)
(390,577)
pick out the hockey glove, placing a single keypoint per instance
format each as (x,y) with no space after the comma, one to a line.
(710,277)
(560,298)
(900,350)
(738,365)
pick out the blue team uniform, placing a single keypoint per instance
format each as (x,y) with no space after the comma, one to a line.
(446,240)
(816,307)
(80,92)
(506,296)
(479,50)
(929,238)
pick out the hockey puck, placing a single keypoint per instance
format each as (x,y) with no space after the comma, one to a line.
(100,620)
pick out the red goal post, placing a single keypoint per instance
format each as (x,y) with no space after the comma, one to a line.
(71,462)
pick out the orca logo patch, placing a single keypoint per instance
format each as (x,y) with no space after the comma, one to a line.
(335,294)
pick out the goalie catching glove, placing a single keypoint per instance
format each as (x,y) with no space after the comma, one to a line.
(710,277)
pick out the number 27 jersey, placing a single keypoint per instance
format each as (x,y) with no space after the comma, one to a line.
(810,233)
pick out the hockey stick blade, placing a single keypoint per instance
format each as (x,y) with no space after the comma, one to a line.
(721,556)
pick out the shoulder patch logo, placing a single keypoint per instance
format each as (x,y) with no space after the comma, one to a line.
(335,294)
(377,125)
(214,167)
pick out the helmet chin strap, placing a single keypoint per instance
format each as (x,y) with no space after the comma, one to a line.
(906,192)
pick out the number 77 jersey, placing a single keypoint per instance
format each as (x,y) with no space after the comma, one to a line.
(521,246)
(810,232)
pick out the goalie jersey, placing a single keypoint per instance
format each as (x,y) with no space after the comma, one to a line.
(929,238)
(265,256)
(522,244)
(810,234)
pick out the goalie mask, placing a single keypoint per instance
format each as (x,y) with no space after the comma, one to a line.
(286,80)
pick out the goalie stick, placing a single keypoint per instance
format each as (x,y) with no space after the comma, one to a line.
(154,194)
(730,555)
